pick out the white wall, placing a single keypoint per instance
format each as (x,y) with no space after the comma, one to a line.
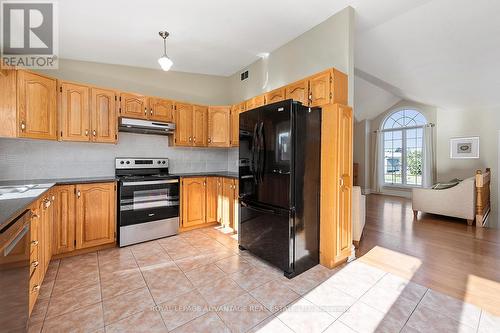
(484,123)
(329,44)
(195,88)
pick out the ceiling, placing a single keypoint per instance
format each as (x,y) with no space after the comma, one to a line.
(443,53)
(438,52)
(216,37)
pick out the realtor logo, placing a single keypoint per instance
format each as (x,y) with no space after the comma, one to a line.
(29,34)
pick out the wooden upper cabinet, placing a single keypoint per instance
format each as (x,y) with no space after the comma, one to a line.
(160,109)
(320,88)
(212,199)
(219,126)
(200,126)
(340,87)
(193,201)
(36,106)
(183,135)
(103,122)
(133,106)
(64,219)
(74,112)
(298,91)
(255,102)
(235,126)
(276,95)
(95,214)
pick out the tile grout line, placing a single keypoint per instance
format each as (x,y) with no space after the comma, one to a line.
(415,309)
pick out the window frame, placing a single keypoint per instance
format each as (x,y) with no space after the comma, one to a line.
(403,131)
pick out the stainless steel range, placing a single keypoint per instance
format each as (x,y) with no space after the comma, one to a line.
(148,206)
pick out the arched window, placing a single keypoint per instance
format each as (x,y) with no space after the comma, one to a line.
(403,146)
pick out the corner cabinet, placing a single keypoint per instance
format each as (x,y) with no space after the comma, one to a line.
(36,106)
(95,222)
(235,126)
(219,126)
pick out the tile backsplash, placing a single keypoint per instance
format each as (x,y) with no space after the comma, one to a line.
(36,159)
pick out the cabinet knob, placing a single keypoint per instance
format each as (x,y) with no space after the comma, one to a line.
(34,242)
(23,125)
(94,133)
(209,140)
(194,139)
(35,216)
(35,263)
(36,288)
(151,112)
(78,193)
(190,139)
(86,132)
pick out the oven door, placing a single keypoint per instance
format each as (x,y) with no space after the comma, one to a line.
(146,201)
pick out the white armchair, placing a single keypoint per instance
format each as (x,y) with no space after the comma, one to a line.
(458,201)
(358,214)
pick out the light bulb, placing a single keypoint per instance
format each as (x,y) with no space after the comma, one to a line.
(165,63)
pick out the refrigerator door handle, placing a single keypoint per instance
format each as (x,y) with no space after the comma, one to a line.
(262,154)
(253,164)
(259,209)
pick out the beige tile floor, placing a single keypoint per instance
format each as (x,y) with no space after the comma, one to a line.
(200,282)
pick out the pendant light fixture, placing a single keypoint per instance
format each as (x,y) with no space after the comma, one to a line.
(165,62)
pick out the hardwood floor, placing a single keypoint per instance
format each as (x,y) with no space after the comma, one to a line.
(438,252)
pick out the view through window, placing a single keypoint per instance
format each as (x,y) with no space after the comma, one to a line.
(403,148)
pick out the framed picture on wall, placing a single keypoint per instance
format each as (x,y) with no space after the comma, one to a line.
(464,147)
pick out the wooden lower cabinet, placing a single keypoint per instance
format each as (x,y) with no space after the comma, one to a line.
(208,200)
(229,209)
(193,193)
(64,219)
(95,222)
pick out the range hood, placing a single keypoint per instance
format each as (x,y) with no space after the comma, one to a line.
(145,126)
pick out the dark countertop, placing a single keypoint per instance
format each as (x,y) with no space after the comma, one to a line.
(12,208)
(226,174)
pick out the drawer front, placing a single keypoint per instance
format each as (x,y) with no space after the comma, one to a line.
(34,259)
(34,288)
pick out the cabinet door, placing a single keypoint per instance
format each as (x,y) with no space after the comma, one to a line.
(298,91)
(320,88)
(227,202)
(133,106)
(95,214)
(236,209)
(193,201)
(64,219)
(160,109)
(200,126)
(219,126)
(220,200)
(276,95)
(212,199)
(345,146)
(255,102)
(235,126)
(183,135)
(36,106)
(74,112)
(104,122)
(45,234)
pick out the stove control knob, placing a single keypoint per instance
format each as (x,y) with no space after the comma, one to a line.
(128,162)
(159,162)
(121,162)
(163,162)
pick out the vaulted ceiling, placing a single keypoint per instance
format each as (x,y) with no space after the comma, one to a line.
(438,52)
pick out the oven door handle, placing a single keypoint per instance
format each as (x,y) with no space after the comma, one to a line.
(16,240)
(151,182)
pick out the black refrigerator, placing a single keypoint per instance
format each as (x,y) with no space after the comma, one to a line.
(279,186)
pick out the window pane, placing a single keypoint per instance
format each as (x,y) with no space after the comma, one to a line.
(392,157)
(413,157)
